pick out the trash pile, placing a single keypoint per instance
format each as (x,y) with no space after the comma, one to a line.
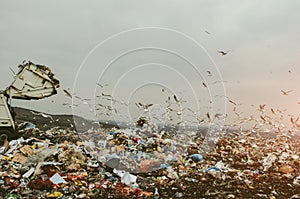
(57,164)
(137,150)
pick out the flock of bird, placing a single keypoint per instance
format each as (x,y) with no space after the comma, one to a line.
(174,105)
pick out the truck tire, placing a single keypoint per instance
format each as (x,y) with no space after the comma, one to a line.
(5,134)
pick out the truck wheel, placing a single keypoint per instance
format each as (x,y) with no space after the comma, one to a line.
(5,134)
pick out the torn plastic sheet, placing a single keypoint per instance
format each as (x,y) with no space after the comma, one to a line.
(13,145)
(51,163)
(28,173)
(2,149)
(27,125)
(57,179)
(126,177)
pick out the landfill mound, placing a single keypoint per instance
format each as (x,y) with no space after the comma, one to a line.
(53,162)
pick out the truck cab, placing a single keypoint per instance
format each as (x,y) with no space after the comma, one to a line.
(7,125)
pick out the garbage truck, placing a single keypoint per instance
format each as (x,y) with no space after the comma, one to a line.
(32,81)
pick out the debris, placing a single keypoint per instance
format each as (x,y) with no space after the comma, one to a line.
(26,126)
(27,150)
(126,177)
(178,195)
(40,184)
(11,196)
(286,169)
(57,179)
(268,161)
(296,181)
(296,196)
(156,194)
(56,194)
(28,173)
(54,165)
(197,157)
(18,157)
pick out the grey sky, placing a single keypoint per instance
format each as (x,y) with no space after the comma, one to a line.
(263,38)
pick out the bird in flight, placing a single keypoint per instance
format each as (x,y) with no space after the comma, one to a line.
(261,107)
(144,106)
(101,85)
(176,99)
(209,73)
(67,93)
(232,102)
(272,110)
(223,52)
(286,92)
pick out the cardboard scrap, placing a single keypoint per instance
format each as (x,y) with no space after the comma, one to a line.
(27,150)
(20,158)
(6,145)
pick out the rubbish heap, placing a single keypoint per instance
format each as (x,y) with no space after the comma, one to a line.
(57,164)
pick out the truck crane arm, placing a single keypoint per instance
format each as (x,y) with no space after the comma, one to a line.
(33,81)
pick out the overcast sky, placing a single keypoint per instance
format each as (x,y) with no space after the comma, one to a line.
(262,38)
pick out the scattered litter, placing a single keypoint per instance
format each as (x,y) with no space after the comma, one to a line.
(268,161)
(56,194)
(28,173)
(197,157)
(27,150)
(19,158)
(212,169)
(296,181)
(65,168)
(178,195)
(57,179)
(27,126)
(126,177)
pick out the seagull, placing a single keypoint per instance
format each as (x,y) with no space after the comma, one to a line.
(263,118)
(106,95)
(68,93)
(144,106)
(272,110)
(209,73)
(218,115)
(294,121)
(261,107)
(286,92)
(208,116)
(176,99)
(223,53)
(101,85)
(232,102)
